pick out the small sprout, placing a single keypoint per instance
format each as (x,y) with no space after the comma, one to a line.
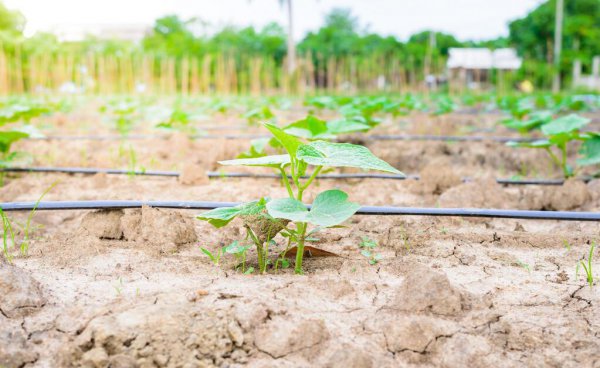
(119,286)
(239,251)
(216,257)
(588,267)
(249,271)
(566,244)
(368,243)
(524,265)
(367,247)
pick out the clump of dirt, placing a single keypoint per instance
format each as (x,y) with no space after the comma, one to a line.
(263,226)
(439,297)
(594,189)
(159,332)
(437,177)
(163,230)
(193,174)
(21,294)
(572,194)
(481,193)
(282,336)
(416,333)
(103,224)
(15,349)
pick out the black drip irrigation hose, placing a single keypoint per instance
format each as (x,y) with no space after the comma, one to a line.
(366,210)
(372,137)
(218,175)
(446,138)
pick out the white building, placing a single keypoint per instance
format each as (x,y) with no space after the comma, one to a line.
(472,65)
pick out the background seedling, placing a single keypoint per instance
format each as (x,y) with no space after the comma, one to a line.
(559,134)
(524,266)
(9,231)
(239,251)
(119,286)
(588,267)
(367,247)
(215,257)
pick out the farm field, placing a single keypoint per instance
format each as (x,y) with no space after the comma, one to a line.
(135,288)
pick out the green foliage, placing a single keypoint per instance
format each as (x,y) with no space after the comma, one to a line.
(533,35)
(589,275)
(367,249)
(322,153)
(220,217)
(239,251)
(312,127)
(329,209)
(263,114)
(559,134)
(214,257)
(123,113)
(533,121)
(8,228)
(11,21)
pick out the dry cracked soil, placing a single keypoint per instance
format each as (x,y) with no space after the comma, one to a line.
(131,288)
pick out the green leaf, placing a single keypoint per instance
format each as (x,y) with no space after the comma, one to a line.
(8,138)
(310,128)
(289,209)
(330,208)
(208,253)
(565,124)
(288,141)
(257,148)
(590,150)
(220,217)
(346,126)
(236,248)
(321,153)
(268,161)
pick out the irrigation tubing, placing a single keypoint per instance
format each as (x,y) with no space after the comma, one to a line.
(218,175)
(366,210)
(372,137)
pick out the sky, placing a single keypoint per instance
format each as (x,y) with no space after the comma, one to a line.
(466,19)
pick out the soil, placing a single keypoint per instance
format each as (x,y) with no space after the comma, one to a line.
(132,289)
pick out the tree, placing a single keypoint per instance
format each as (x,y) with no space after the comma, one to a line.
(338,36)
(172,36)
(11,21)
(533,35)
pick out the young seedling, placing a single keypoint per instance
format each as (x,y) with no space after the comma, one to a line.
(239,251)
(119,286)
(214,257)
(367,247)
(533,121)
(8,228)
(8,157)
(588,267)
(263,113)
(122,113)
(266,218)
(559,134)
(7,231)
